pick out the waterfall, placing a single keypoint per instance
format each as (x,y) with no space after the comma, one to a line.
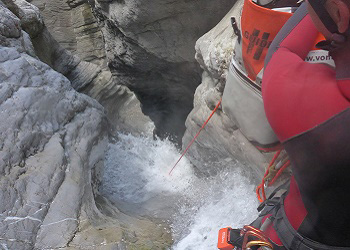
(136,178)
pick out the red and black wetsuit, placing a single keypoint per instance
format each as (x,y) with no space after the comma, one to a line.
(308,109)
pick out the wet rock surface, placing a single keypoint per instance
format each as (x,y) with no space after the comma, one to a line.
(52,147)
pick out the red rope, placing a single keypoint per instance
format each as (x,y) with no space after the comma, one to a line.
(189,145)
(258,188)
(261,187)
(285,165)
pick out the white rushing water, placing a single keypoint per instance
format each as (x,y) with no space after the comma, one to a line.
(136,176)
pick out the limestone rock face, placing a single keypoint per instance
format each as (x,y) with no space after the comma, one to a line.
(150,49)
(52,144)
(73,26)
(88,76)
(122,107)
(52,140)
(221,138)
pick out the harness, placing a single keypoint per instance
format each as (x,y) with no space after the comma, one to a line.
(238,239)
(290,238)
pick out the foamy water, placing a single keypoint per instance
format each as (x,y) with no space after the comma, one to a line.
(137,173)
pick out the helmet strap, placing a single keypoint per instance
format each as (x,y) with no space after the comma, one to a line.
(319,8)
(337,39)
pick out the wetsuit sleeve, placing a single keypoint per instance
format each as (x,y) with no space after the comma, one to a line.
(298,95)
(297,36)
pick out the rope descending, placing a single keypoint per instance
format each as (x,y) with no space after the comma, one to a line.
(195,137)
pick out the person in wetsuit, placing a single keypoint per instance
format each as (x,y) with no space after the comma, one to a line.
(307,106)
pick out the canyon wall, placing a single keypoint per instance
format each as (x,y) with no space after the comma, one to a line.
(150,48)
(71,42)
(52,148)
(73,26)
